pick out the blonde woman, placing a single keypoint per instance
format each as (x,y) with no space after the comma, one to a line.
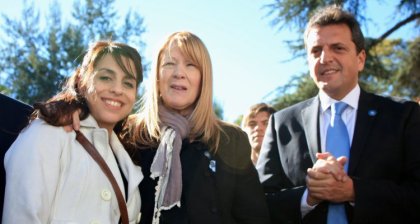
(199,165)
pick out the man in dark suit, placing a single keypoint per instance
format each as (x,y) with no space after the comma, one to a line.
(14,116)
(377,178)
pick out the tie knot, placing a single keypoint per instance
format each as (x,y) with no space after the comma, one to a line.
(339,107)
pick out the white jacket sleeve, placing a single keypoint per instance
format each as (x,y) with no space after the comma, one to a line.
(32,166)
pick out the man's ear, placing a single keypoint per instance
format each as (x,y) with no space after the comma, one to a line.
(361,57)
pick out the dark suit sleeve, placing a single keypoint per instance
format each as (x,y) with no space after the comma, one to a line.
(283,197)
(387,177)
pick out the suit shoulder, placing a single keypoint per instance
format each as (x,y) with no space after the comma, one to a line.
(295,108)
(397,103)
(12,105)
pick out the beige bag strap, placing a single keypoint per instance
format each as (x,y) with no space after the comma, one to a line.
(104,167)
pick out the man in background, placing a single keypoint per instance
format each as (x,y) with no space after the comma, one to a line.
(254,124)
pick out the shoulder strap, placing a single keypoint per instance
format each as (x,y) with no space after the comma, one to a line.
(104,167)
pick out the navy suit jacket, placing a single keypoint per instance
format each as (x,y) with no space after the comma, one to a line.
(384,161)
(14,116)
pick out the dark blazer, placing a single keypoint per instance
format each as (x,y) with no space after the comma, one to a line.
(384,161)
(231,194)
(14,116)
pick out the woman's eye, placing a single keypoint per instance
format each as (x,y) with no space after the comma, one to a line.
(130,85)
(104,78)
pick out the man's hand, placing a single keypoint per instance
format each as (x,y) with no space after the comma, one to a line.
(327,180)
(328,164)
(323,186)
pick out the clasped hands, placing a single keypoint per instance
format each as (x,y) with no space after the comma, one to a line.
(327,180)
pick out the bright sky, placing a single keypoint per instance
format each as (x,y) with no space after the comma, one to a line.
(247,53)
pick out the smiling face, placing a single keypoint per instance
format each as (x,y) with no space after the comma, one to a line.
(111,93)
(179,81)
(333,61)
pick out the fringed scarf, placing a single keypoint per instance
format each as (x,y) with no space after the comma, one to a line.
(167,163)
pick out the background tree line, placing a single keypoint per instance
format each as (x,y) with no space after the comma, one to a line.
(36,57)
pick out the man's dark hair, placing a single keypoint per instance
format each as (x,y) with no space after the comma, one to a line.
(334,14)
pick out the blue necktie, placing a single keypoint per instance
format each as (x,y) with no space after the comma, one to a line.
(338,144)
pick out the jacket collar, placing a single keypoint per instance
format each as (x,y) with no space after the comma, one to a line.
(89,122)
(99,138)
(310,123)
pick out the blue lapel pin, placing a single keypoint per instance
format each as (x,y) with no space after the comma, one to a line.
(372,113)
(212,163)
(212,166)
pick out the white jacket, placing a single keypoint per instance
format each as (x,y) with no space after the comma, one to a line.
(50,178)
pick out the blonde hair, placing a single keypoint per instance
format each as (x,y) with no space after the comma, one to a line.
(204,122)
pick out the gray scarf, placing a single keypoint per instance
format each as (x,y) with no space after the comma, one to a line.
(167,163)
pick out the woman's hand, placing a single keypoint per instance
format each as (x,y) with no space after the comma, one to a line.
(75,124)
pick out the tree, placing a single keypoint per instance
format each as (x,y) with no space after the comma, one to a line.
(392,66)
(37,59)
(218,109)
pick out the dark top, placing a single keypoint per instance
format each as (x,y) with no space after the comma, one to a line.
(228,192)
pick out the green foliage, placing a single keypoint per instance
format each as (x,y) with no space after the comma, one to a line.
(218,109)
(4,90)
(392,66)
(300,88)
(295,14)
(238,121)
(408,73)
(37,59)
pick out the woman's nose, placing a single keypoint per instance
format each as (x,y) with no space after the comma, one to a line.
(117,88)
(179,72)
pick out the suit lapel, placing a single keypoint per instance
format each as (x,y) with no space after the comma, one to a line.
(366,115)
(310,116)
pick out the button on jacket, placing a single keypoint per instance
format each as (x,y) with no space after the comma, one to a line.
(50,178)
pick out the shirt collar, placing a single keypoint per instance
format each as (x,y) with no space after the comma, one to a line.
(351,99)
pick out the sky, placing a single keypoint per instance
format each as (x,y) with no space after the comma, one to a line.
(250,58)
